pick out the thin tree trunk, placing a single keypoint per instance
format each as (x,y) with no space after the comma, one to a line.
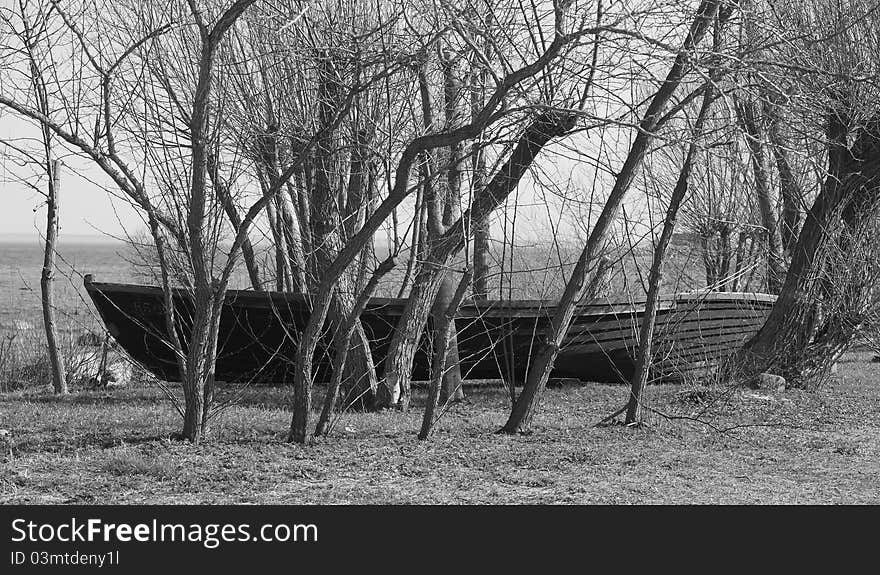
(398,363)
(368,254)
(747,114)
(442,359)
(452,389)
(282,253)
(398,191)
(655,278)
(293,240)
(708,259)
(725,248)
(781,342)
(481,261)
(482,236)
(789,190)
(300,199)
(198,379)
(247,249)
(344,335)
(276,226)
(739,260)
(539,372)
(47,278)
(194,378)
(415,245)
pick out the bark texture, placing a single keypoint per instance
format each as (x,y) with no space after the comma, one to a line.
(793,339)
(47,278)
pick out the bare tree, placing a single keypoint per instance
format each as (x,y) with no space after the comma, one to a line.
(539,371)
(31,43)
(542,128)
(748,118)
(799,335)
(399,190)
(30,29)
(196,360)
(59,380)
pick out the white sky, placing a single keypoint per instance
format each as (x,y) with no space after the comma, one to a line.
(86,209)
(89,213)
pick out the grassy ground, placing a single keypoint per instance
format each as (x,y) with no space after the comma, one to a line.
(790,447)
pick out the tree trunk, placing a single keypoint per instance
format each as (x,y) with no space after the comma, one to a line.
(198,380)
(416,243)
(452,389)
(481,261)
(193,382)
(789,189)
(276,226)
(539,372)
(853,175)
(299,197)
(479,79)
(293,239)
(398,363)
(747,114)
(344,336)
(655,278)
(47,278)
(442,359)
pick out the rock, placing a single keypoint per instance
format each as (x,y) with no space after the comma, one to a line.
(769,382)
(118,374)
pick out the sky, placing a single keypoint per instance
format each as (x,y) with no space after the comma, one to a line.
(87,211)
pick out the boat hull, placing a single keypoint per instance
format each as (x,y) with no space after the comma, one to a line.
(259,332)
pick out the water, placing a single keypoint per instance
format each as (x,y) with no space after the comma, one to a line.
(21,263)
(20,267)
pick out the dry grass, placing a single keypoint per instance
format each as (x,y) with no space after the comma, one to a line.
(794,447)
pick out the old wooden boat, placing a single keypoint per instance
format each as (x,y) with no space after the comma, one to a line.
(259,332)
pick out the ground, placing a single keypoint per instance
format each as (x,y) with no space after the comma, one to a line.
(754,447)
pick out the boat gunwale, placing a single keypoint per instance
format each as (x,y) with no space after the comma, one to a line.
(602,306)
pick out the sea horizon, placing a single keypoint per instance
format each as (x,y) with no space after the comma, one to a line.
(35,238)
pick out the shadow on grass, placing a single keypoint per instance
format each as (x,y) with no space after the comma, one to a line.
(259,396)
(136,397)
(54,442)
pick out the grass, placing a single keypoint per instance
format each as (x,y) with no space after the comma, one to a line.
(792,447)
